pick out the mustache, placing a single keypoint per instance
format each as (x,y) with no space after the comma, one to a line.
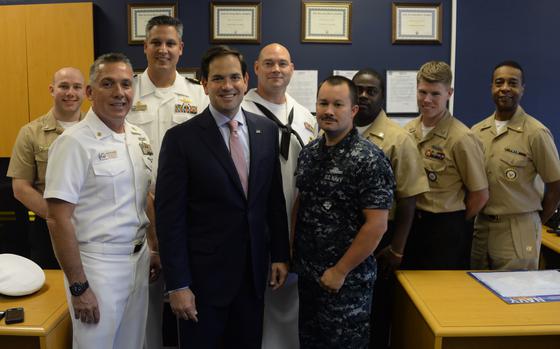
(327,118)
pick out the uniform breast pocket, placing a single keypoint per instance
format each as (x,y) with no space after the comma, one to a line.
(179,118)
(513,166)
(107,175)
(436,173)
(41,160)
(144,120)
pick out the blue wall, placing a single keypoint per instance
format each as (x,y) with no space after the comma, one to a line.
(371,36)
(487,33)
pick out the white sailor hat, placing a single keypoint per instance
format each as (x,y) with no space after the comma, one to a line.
(19,276)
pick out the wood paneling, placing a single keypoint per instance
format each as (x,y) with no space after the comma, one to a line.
(37,40)
(58,35)
(13,71)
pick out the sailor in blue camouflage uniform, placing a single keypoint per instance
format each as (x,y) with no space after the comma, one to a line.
(345,188)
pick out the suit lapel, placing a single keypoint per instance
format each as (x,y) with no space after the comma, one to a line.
(213,139)
(256,146)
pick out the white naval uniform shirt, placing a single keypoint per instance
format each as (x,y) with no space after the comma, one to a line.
(106,176)
(156,112)
(304,123)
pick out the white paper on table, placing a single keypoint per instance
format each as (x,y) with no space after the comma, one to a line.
(519,284)
(303,88)
(401,91)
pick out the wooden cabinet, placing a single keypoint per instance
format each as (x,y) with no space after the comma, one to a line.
(37,41)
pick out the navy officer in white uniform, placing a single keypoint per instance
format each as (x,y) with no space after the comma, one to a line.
(97,182)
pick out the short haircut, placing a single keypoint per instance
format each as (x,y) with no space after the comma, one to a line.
(512,64)
(165,20)
(113,57)
(334,80)
(434,72)
(219,51)
(372,72)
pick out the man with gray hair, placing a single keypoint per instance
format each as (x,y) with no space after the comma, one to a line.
(97,183)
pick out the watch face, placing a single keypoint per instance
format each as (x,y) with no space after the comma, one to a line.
(78,288)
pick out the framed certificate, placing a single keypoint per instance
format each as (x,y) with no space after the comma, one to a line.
(326,22)
(193,73)
(140,14)
(417,23)
(235,22)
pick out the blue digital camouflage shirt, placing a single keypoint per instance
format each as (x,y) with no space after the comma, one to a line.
(335,184)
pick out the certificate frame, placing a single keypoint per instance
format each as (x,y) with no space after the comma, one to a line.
(417,23)
(140,14)
(235,22)
(189,72)
(326,22)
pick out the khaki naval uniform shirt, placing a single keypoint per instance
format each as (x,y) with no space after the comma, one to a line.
(30,152)
(513,159)
(399,147)
(453,162)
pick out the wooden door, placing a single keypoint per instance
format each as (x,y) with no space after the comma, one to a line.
(58,35)
(14,98)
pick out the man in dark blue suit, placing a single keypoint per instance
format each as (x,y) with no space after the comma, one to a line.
(220,213)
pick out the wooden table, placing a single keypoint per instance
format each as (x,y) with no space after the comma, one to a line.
(47,322)
(550,250)
(451,310)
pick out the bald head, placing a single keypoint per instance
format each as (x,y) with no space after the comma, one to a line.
(274,69)
(67,89)
(65,72)
(274,47)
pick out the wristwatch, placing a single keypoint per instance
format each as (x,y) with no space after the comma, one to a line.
(78,288)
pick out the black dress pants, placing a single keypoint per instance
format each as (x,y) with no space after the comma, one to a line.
(438,241)
(40,246)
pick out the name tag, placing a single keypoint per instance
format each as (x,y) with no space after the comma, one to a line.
(107,155)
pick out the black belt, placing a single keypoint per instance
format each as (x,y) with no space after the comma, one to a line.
(491,217)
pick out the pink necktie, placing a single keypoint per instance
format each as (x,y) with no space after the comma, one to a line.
(237,155)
